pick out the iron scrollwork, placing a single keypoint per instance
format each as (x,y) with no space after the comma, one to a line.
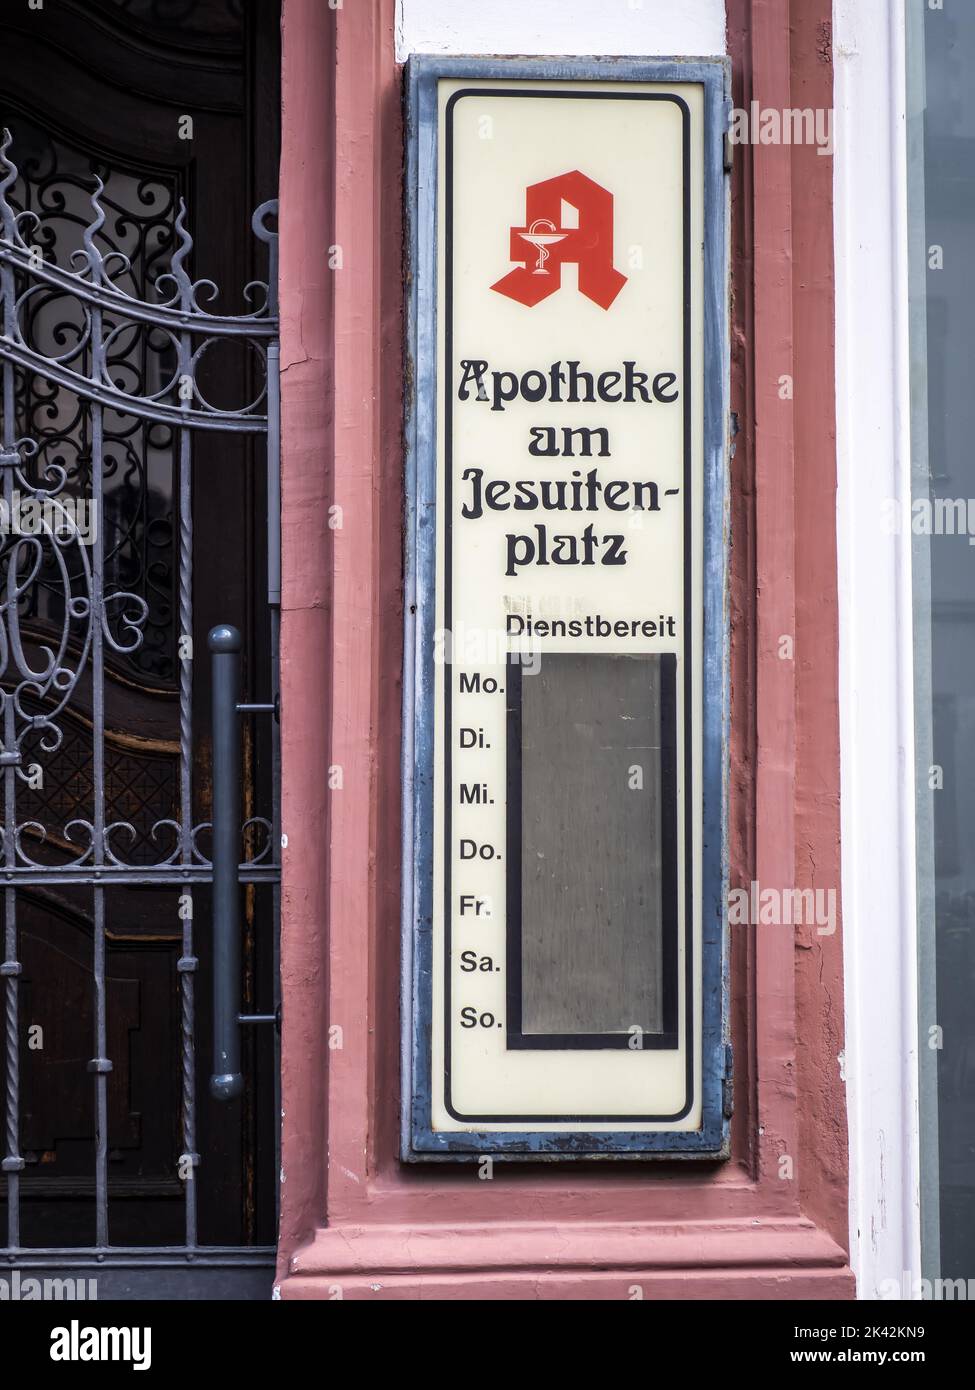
(103,366)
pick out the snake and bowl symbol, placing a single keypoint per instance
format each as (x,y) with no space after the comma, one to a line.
(542,234)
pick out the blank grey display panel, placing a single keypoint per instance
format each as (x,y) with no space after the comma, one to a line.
(592,898)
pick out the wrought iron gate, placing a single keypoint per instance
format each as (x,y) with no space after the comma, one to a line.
(87,352)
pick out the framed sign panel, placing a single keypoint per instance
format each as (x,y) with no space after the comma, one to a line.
(566,692)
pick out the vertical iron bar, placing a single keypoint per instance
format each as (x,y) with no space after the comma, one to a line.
(100,1064)
(274,603)
(185,642)
(227,1081)
(274,476)
(12,1163)
(187,966)
(188,960)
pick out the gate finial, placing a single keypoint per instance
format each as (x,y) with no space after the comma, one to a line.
(94,256)
(9,178)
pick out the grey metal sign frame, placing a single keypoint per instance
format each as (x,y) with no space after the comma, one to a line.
(418,1139)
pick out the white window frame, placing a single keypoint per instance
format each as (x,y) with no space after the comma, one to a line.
(876,644)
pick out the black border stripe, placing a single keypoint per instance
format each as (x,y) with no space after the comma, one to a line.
(515,1038)
(447,367)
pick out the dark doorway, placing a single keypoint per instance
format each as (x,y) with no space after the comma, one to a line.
(158,419)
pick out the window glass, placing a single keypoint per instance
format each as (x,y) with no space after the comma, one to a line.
(941,175)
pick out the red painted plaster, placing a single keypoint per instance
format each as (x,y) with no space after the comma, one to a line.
(819,961)
(306,492)
(353,1215)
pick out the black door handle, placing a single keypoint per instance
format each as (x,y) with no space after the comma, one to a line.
(226,1080)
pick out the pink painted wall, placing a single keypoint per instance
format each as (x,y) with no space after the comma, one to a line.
(352,1215)
(307,424)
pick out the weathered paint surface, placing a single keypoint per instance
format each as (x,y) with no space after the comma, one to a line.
(653,28)
(306,492)
(819,958)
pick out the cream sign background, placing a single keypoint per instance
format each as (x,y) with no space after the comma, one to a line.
(624,577)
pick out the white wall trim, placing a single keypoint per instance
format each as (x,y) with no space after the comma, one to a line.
(876,646)
(640,28)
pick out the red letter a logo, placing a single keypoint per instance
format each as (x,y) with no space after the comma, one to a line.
(544,245)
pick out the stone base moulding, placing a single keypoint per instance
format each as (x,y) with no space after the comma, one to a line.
(734,1259)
